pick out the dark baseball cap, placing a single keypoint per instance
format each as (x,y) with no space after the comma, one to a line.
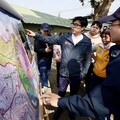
(112,17)
(45,26)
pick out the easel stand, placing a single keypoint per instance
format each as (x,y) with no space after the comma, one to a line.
(44,113)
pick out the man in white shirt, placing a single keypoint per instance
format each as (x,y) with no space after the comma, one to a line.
(76,55)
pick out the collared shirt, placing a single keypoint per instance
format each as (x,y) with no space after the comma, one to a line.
(102,45)
(76,39)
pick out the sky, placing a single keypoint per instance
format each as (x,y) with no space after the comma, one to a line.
(62,8)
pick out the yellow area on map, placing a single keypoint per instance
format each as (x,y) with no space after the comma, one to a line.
(8,51)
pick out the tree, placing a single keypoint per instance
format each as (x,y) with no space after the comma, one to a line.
(101,7)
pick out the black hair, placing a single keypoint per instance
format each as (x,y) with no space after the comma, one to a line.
(106,32)
(83,21)
(98,23)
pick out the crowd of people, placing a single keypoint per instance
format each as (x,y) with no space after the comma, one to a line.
(88,56)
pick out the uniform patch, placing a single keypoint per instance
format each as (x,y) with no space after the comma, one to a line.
(99,51)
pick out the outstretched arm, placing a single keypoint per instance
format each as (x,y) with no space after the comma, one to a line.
(75,104)
(87,106)
(30,33)
(47,39)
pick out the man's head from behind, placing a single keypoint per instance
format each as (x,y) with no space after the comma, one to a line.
(115,25)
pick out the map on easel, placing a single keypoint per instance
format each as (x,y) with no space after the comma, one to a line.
(18,80)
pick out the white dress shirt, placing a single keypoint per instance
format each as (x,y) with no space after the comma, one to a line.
(76,39)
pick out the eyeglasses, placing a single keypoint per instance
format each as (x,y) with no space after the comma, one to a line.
(75,25)
(112,25)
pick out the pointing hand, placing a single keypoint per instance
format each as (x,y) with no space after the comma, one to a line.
(30,33)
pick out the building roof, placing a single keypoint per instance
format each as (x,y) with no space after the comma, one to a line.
(36,17)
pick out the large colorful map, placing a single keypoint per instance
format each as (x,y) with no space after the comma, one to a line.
(18,82)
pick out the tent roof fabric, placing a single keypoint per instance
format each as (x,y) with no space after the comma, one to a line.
(7,7)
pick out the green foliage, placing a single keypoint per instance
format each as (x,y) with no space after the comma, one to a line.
(101,7)
(93,3)
(82,1)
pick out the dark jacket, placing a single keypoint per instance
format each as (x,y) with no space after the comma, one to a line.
(39,48)
(103,99)
(75,58)
(88,106)
(111,86)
